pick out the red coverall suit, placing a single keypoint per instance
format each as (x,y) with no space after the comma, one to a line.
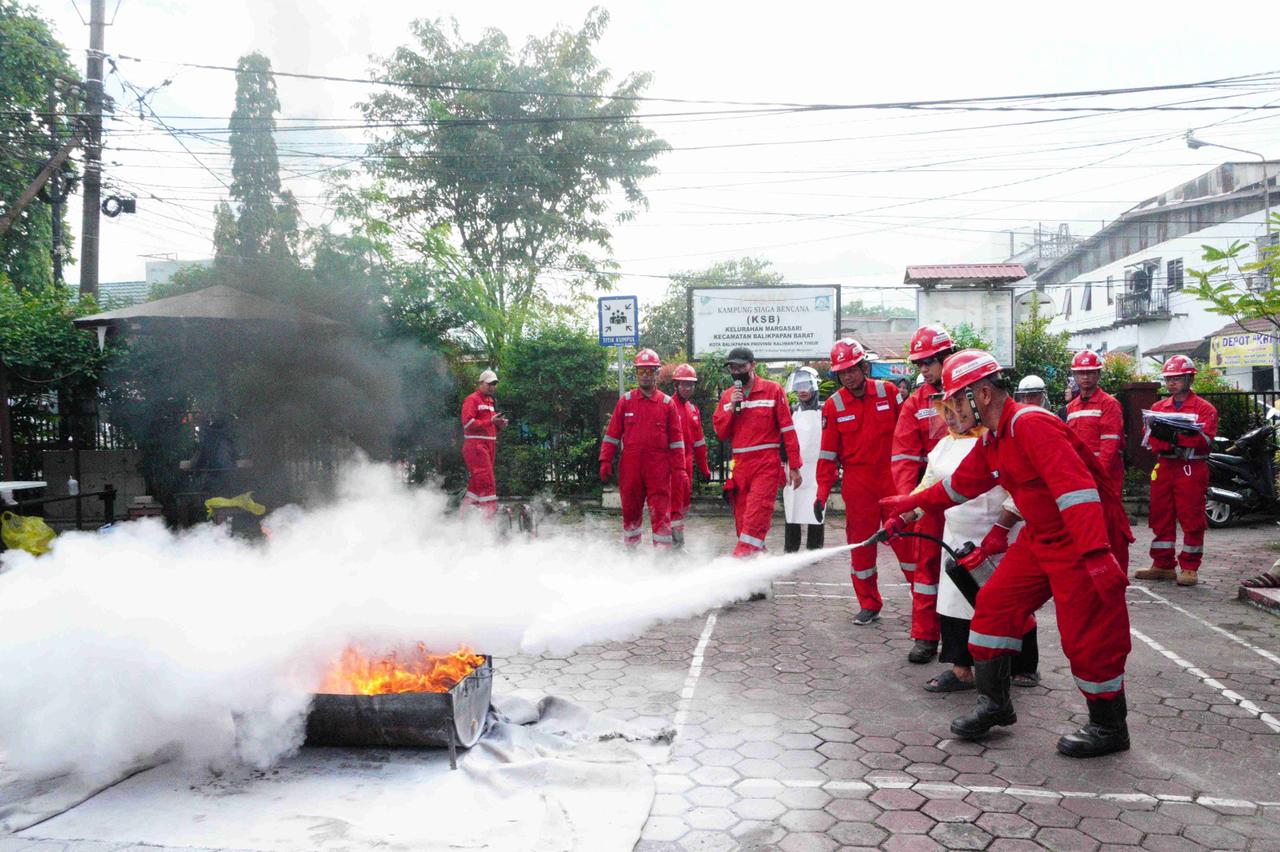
(757,431)
(856,434)
(1178,485)
(1099,424)
(479,449)
(695,450)
(919,429)
(1069,504)
(648,429)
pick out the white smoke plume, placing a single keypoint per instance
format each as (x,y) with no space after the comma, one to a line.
(116,646)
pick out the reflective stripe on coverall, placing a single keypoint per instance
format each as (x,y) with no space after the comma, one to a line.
(695,450)
(918,431)
(479,450)
(1178,485)
(1068,503)
(856,436)
(1099,424)
(648,430)
(757,432)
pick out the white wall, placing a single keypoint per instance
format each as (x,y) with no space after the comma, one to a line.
(1190,319)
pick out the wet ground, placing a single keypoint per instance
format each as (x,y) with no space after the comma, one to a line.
(798,731)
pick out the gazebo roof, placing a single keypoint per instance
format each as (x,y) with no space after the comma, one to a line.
(212,303)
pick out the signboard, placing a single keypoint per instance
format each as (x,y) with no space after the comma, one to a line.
(989,312)
(1241,350)
(893,370)
(619,320)
(786,323)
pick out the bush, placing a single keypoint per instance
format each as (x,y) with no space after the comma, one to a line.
(1120,369)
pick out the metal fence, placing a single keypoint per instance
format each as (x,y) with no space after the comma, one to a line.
(39,425)
(1240,411)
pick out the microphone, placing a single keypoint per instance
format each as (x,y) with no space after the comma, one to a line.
(737,406)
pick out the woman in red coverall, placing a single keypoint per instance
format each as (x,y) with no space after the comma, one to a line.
(480,425)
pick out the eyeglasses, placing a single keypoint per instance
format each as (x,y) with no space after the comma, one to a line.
(929,362)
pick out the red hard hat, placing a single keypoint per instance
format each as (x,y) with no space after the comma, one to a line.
(928,341)
(647,358)
(845,354)
(1086,359)
(684,373)
(966,367)
(1179,365)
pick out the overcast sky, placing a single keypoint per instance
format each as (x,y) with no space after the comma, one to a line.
(834,197)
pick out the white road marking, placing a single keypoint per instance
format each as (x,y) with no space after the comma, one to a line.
(1231,695)
(1262,652)
(769,787)
(695,672)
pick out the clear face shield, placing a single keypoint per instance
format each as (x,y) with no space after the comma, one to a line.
(958,414)
(803,382)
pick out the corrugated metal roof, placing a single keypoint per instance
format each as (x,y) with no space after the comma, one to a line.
(889,345)
(1249,327)
(1181,347)
(967,271)
(212,303)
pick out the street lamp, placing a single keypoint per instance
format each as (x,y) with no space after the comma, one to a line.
(1194,143)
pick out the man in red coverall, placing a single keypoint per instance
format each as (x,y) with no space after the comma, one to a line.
(755,417)
(695,449)
(1064,553)
(919,429)
(857,429)
(1095,418)
(646,427)
(1180,478)
(480,425)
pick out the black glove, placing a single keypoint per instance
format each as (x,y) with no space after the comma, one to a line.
(1163,431)
(819,509)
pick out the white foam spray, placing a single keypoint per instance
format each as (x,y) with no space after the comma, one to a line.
(116,646)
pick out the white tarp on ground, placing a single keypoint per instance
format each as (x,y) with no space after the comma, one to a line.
(547,775)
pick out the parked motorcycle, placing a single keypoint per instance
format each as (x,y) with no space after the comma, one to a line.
(1242,479)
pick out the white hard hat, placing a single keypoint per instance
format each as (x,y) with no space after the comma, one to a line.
(488,376)
(919,379)
(1031,384)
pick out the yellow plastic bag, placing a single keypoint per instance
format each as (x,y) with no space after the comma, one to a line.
(241,501)
(23,532)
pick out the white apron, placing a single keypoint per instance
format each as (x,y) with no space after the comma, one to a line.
(798,502)
(969,521)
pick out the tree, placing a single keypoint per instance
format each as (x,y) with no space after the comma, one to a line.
(519,152)
(858,308)
(1043,353)
(664,327)
(35,77)
(1226,284)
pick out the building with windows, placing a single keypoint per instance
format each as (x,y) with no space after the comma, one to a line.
(1124,288)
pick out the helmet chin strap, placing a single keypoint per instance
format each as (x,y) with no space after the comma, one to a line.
(973,405)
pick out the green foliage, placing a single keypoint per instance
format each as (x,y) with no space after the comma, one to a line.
(858,308)
(1210,380)
(966,336)
(523,197)
(35,77)
(1224,284)
(38,343)
(664,327)
(268,218)
(1120,369)
(1040,352)
(550,390)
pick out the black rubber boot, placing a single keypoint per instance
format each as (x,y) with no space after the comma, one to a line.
(817,536)
(677,539)
(1105,733)
(922,651)
(791,538)
(992,679)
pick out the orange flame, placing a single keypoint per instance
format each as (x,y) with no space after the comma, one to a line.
(413,671)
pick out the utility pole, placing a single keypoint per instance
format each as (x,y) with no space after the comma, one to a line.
(92,149)
(55,192)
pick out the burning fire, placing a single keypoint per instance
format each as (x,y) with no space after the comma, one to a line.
(412,671)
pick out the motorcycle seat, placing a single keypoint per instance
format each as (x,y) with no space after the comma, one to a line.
(1229,459)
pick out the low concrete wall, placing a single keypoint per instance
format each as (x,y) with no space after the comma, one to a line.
(98,468)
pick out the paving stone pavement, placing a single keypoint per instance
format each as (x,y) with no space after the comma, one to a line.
(798,731)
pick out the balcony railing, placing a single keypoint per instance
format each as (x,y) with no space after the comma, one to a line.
(1143,305)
